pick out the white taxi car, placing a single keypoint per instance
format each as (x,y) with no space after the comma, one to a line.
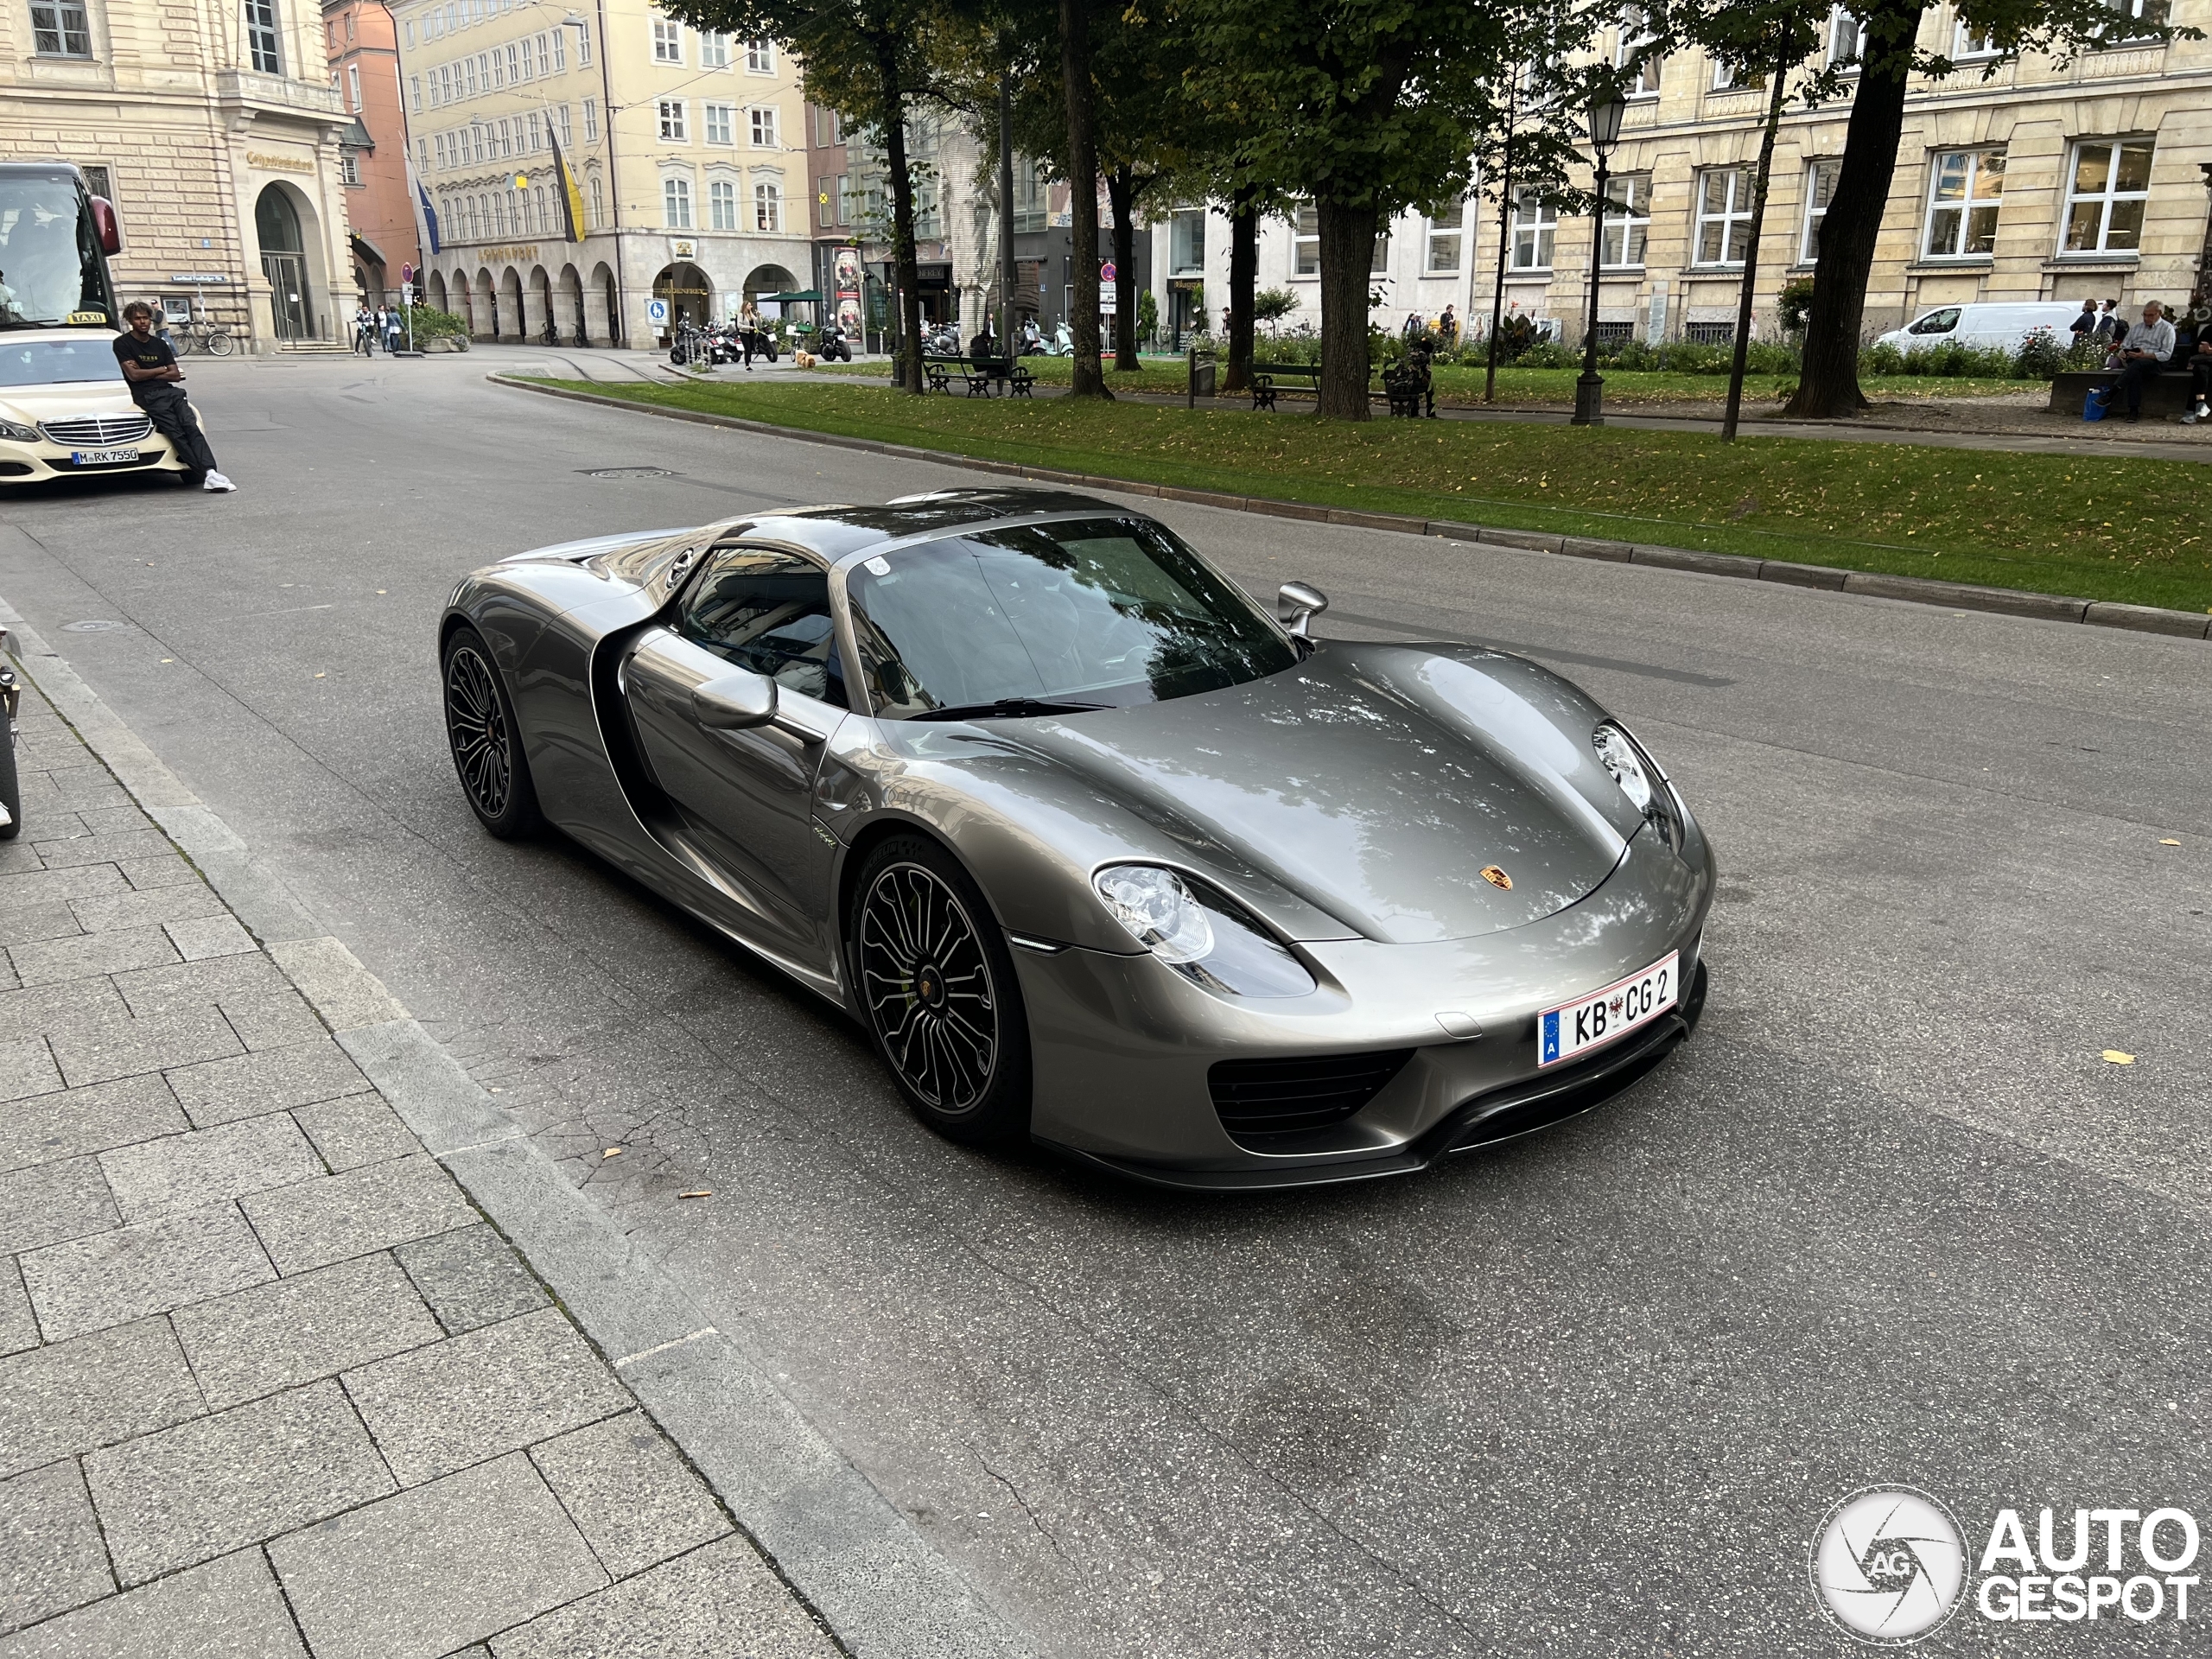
(65,409)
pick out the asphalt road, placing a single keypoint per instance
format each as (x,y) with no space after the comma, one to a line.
(1890,1218)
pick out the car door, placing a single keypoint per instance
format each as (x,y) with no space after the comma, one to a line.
(744,798)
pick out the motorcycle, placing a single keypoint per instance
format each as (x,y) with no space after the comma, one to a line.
(832,346)
(1063,342)
(1032,340)
(943,340)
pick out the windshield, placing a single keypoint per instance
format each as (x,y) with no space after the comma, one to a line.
(51,268)
(49,362)
(1097,611)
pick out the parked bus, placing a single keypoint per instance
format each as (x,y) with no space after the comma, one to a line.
(55,238)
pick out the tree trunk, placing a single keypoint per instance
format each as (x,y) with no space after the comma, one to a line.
(1780,72)
(1243,278)
(1498,292)
(1828,387)
(905,274)
(1088,376)
(1120,196)
(1347,270)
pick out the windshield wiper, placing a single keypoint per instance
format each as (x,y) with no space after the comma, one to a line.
(1007,708)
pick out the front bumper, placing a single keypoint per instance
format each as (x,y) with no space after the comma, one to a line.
(37,463)
(1123,1047)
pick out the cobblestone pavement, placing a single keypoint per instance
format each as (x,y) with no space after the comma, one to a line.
(271,1385)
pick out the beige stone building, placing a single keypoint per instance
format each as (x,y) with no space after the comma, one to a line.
(216,133)
(2037,182)
(687,150)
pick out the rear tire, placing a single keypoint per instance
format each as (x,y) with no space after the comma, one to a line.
(486,740)
(218,344)
(936,986)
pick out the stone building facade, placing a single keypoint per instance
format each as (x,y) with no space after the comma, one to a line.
(363,47)
(688,148)
(217,135)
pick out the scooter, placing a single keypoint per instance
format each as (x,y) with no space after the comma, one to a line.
(943,340)
(1063,342)
(1033,341)
(832,346)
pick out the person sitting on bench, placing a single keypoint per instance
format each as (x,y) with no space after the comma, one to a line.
(2200,379)
(2142,357)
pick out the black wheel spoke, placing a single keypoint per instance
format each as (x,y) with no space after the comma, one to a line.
(477,727)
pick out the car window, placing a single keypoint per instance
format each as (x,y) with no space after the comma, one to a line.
(1938,322)
(768,612)
(1103,610)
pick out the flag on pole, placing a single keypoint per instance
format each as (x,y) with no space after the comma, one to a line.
(426,217)
(572,202)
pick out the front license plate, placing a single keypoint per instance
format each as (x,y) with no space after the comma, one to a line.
(1577,1028)
(101,457)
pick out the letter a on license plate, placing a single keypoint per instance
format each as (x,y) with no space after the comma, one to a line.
(1575,1028)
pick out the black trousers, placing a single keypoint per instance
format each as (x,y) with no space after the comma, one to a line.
(172,417)
(2133,375)
(2200,377)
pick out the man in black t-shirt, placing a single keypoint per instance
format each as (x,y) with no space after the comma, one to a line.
(150,367)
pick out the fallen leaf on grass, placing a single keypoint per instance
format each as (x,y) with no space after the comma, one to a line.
(2117,1057)
(703,1193)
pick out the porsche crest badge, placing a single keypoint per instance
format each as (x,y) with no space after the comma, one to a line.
(1496,877)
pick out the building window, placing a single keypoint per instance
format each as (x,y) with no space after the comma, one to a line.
(408,29)
(560,39)
(760,56)
(60,28)
(767,208)
(1187,243)
(583,41)
(353,88)
(1379,263)
(721,206)
(2104,205)
(2134,19)
(668,41)
(1846,39)
(349,168)
(1724,216)
(845,208)
(1536,223)
(675,204)
(1628,219)
(1969,42)
(1634,45)
(672,130)
(415,93)
(261,36)
(714,49)
(1444,240)
(98,181)
(1820,190)
(721,122)
(591,120)
(764,128)
(1728,77)
(825,213)
(567,132)
(1963,202)
(1305,240)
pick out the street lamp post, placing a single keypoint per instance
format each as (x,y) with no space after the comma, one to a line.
(1605,113)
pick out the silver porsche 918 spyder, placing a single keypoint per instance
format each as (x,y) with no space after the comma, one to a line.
(1097,851)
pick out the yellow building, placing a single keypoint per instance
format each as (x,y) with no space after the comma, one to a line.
(215,131)
(688,148)
(2037,181)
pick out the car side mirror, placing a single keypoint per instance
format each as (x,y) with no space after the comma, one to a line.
(109,228)
(1297,603)
(733,702)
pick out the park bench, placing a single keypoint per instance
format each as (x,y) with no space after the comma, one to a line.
(1264,376)
(981,376)
(2167,395)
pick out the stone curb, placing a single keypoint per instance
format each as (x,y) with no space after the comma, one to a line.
(883,1591)
(1917,590)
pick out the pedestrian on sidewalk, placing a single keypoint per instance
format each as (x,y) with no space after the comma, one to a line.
(2108,320)
(391,331)
(150,365)
(1447,329)
(2085,326)
(2142,357)
(365,339)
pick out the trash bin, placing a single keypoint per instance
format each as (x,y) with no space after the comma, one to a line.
(1202,369)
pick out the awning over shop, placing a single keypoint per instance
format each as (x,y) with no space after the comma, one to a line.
(368,249)
(809,296)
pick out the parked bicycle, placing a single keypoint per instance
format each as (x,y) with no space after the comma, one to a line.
(200,335)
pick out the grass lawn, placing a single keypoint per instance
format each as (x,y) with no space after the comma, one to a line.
(2055,523)
(1536,388)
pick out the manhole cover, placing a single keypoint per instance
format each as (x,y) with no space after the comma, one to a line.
(96,625)
(625,472)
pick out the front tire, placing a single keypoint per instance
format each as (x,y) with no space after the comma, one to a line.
(935,984)
(486,740)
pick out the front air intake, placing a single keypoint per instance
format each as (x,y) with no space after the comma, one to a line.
(1262,1101)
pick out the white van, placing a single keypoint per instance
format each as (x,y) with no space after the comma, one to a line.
(2003,325)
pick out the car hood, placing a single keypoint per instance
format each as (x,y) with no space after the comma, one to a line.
(66,400)
(1377,783)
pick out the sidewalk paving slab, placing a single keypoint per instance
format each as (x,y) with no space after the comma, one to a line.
(229,1609)
(297,1330)
(51,1556)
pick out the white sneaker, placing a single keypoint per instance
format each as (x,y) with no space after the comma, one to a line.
(217,482)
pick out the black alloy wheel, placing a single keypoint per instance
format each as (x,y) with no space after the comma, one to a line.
(485,741)
(937,984)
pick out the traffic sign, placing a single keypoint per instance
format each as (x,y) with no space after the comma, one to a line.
(655,311)
(406,275)
(1106,272)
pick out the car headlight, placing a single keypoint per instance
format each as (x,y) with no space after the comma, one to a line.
(1630,766)
(16,432)
(1203,936)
